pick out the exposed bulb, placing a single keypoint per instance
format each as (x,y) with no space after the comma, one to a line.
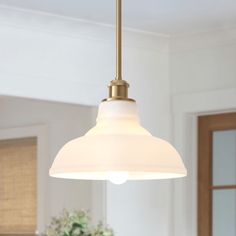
(118,177)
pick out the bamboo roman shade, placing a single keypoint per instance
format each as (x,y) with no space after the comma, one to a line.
(18,186)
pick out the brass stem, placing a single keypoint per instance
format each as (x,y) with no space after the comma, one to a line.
(118,88)
(118,40)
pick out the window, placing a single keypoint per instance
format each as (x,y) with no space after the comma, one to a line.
(18,186)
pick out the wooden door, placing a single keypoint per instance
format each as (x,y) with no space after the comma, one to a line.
(217,175)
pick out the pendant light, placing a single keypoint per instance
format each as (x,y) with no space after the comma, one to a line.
(118,148)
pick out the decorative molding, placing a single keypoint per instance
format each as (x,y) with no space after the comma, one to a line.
(90,30)
(203,40)
(79,28)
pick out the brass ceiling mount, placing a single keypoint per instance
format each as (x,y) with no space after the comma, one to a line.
(118,88)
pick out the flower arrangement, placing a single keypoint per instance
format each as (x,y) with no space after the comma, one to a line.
(75,223)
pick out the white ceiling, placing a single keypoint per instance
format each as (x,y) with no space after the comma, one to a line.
(159,16)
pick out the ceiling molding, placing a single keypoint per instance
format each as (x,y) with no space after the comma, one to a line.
(203,40)
(78,28)
(105,33)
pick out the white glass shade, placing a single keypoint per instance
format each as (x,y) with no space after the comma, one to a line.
(116,149)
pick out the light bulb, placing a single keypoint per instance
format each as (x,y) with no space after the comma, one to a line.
(117,177)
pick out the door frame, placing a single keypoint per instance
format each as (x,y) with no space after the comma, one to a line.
(186,109)
(206,126)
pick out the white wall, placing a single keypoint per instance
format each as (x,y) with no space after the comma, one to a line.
(41,53)
(59,59)
(203,62)
(203,81)
(63,122)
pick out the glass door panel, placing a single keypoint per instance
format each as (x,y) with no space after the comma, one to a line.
(224,157)
(224,183)
(224,212)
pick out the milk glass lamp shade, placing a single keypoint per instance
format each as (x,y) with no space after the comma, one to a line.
(118,149)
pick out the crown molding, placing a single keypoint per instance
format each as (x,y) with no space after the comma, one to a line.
(79,28)
(90,30)
(203,40)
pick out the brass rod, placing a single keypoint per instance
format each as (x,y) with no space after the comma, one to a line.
(118,88)
(118,40)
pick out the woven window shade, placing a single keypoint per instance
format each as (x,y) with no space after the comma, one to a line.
(18,186)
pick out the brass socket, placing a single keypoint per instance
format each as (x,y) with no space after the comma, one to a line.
(118,90)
